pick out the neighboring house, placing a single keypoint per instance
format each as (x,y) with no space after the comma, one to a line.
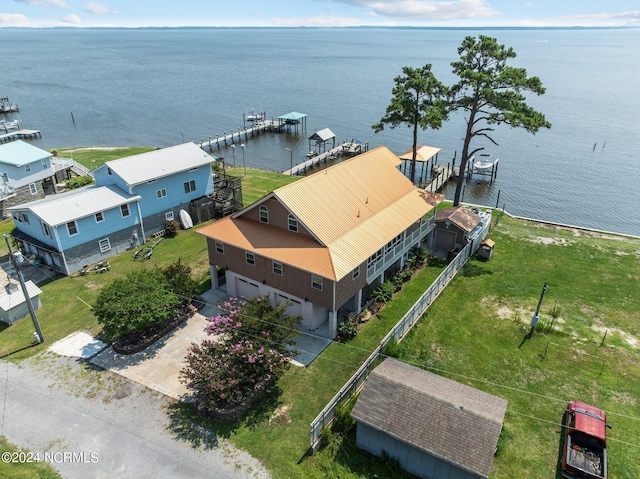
(132,199)
(70,230)
(322,242)
(12,301)
(167,180)
(433,426)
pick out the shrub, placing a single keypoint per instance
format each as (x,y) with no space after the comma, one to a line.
(78,182)
(384,292)
(170,228)
(392,348)
(348,329)
(133,303)
(178,275)
(343,422)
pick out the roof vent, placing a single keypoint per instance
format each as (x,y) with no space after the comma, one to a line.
(458,406)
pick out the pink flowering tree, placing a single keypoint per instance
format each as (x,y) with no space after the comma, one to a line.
(249,347)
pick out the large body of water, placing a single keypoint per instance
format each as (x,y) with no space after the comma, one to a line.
(160,87)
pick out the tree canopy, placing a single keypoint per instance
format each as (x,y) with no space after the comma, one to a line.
(491,92)
(419,100)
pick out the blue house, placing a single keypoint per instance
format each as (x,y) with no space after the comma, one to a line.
(131,200)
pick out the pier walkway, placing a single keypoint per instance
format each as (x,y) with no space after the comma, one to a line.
(444,174)
(234,137)
(19,135)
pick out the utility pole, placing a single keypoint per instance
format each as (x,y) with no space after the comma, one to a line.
(27,298)
(534,319)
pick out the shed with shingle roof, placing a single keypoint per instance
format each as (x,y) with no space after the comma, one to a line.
(453,226)
(434,427)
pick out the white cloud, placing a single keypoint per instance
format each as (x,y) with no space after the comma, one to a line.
(72,19)
(13,20)
(622,19)
(426,9)
(52,3)
(98,9)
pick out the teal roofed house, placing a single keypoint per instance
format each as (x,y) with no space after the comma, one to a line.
(131,200)
(27,173)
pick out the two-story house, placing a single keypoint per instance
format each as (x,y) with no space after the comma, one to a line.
(131,200)
(319,243)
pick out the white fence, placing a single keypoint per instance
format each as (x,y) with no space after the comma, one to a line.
(325,418)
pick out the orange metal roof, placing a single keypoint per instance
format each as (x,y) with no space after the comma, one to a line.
(353,209)
(423,153)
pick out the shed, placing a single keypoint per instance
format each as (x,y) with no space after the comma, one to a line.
(453,226)
(320,138)
(12,302)
(434,427)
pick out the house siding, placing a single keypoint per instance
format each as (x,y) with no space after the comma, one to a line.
(411,459)
(22,195)
(278,215)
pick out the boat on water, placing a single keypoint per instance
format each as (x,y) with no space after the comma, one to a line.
(253,116)
(9,125)
(484,163)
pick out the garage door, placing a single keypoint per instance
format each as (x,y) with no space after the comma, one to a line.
(294,308)
(446,239)
(246,288)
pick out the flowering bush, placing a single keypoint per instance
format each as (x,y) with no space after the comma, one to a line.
(250,347)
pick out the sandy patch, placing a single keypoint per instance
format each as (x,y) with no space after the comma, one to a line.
(77,345)
(280,416)
(550,241)
(628,338)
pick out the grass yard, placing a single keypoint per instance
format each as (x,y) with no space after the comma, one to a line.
(475,332)
(92,157)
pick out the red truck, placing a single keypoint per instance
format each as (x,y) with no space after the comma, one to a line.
(585,445)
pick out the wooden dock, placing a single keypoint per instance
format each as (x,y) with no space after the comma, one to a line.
(19,135)
(237,136)
(444,174)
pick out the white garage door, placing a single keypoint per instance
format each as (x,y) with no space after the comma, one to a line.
(294,308)
(247,289)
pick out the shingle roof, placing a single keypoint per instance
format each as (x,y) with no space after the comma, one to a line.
(353,209)
(463,218)
(19,153)
(447,419)
(59,209)
(423,153)
(159,163)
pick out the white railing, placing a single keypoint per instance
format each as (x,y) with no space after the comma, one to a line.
(325,418)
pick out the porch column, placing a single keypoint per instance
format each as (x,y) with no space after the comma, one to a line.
(333,324)
(359,301)
(214,276)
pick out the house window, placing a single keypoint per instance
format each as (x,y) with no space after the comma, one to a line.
(27,168)
(5,177)
(99,217)
(46,230)
(219,247)
(109,170)
(105,245)
(72,228)
(189,186)
(124,209)
(25,217)
(33,189)
(18,216)
(161,193)
(356,273)
(250,257)
(277,268)
(293,224)
(264,214)
(45,164)
(168,216)
(193,169)
(374,258)
(316,282)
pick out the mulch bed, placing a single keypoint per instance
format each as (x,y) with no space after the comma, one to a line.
(136,341)
(236,412)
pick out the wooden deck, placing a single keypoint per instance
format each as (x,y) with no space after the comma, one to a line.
(315,161)
(19,135)
(237,136)
(445,173)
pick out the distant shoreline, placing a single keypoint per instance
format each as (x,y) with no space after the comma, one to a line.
(362,27)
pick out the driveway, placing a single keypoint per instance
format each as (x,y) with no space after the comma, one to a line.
(90,423)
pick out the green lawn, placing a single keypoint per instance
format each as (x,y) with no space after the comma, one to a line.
(93,157)
(473,330)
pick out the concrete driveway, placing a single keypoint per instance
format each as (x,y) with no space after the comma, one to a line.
(157,366)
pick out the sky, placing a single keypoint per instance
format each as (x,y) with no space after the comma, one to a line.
(318,13)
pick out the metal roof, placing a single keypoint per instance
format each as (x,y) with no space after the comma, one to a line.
(9,300)
(293,116)
(155,164)
(447,419)
(352,209)
(463,218)
(322,135)
(20,153)
(60,209)
(423,153)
